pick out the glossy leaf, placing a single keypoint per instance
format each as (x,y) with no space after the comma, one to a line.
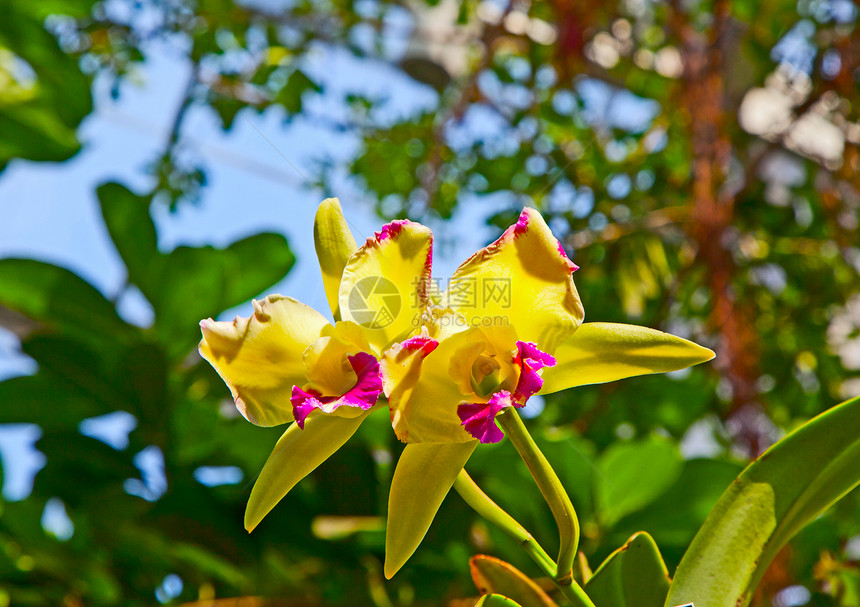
(495,576)
(496,600)
(632,576)
(58,298)
(131,228)
(634,473)
(38,119)
(788,486)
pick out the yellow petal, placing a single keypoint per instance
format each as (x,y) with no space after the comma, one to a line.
(326,360)
(600,352)
(297,453)
(335,245)
(425,411)
(385,283)
(522,280)
(422,479)
(260,357)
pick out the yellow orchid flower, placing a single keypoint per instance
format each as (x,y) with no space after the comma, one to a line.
(287,363)
(508,327)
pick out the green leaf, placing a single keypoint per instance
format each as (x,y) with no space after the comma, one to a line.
(189,283)
(51,404)
(112,376)
(600,352)
(788,486)
(253,264)
(424,474)
(674,518)
(58,299)
(633,474)
(632,576)
(38,119)
(297,454)
(290,96)
(200,282)
(131,228)
(334,244)
(495,576)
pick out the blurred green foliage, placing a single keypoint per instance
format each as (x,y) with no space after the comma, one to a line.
(630,124)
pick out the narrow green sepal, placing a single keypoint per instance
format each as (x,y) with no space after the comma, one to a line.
(296,454)
(422,479)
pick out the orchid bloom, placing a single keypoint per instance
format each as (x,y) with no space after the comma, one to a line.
(287,363)
(512,327)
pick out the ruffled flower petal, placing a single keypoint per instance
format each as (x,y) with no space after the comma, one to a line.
(530,360)
(361,397)
(479,419)
(522,280)
(260,357)
(422,396)
(385,284)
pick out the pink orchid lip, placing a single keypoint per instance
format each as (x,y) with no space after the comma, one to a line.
(479,419)
(362,395)
(530,360)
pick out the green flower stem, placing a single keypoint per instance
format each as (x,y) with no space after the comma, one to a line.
(551,488)
(483,504)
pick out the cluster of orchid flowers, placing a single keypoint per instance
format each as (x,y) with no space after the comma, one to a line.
(445,376)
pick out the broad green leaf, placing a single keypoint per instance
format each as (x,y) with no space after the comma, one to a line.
(495,576)
(632,576)
(674,518)
(40,400)
(131,228)
(291,95)
(600,352)
(297,454)
(424,474)
(75,461)
(58,299)
(334,245)
(115,376)
(253,264)
(200,282)
(788,486)
(40,111)
(633,474)
(496,600)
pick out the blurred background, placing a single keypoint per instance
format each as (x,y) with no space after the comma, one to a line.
(162,161)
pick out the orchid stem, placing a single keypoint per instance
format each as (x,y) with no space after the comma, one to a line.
(551,488)
(484,505)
